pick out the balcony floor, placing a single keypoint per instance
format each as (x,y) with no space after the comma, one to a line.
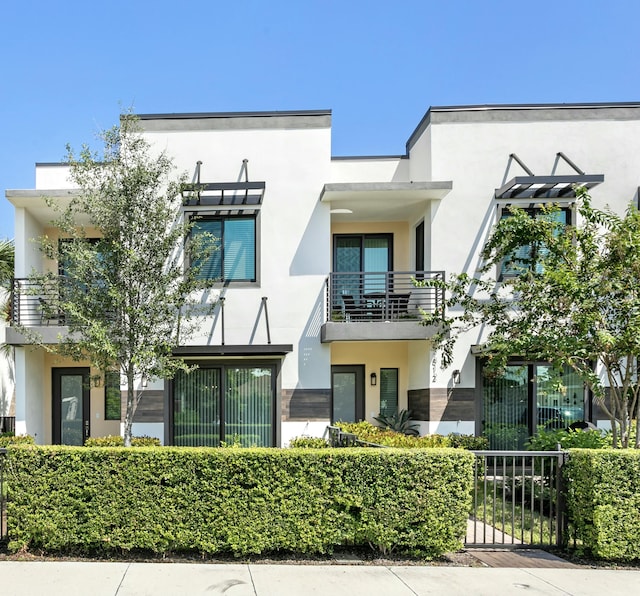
(376,331)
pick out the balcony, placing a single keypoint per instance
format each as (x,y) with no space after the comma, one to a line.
(34,305)
(378,306)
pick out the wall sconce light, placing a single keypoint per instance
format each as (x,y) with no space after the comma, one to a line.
(456,377)
(374,379)
(96,380)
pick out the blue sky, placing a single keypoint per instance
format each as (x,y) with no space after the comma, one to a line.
(68,68)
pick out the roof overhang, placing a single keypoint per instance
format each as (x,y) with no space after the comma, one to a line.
(233,350)
(541,188)
(381,201)
(36,202)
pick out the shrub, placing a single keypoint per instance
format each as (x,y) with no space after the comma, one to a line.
(603,500)
(399,422)
(118,441)
(365,431)
(308,443)
(468,442)
(7,440)
(240,501)
(548,440)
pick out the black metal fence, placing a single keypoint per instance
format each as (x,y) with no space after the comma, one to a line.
(3,495)
(518,499)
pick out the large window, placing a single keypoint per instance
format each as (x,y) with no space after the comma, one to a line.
(526,255)
(528,397)
(225,403)
(230,244)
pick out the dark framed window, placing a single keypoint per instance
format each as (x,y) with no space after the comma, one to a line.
(388,391)
(230,241)
(526,255)
(112,396)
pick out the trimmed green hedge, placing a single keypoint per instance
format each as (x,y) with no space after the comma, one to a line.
(603,500)
(246,501)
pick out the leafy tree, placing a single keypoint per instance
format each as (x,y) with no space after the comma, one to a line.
(574,301)
(6,263)
(7,255)
(123,289)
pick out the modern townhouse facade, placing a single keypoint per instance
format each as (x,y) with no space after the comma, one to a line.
(317,318)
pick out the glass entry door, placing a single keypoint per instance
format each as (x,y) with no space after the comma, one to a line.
(347,393)
(71,410)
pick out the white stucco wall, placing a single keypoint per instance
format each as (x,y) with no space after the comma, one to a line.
(475,155)
(295,246)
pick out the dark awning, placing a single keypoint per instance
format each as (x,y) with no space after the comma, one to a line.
(223,194)
(546,187)
(233,350)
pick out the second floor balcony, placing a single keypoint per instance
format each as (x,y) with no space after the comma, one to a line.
(380,305)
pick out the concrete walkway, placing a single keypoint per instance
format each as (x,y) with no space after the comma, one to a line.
(35,578)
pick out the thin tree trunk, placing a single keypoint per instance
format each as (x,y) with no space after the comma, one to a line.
(131,403)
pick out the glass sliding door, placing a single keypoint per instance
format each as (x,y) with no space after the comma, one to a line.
(348,259)
(527,398)
(367,254)
(196,408)
(224,403)
(559,398)
(506,408)
(249,406)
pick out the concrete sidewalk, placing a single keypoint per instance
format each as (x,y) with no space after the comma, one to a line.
(35,578)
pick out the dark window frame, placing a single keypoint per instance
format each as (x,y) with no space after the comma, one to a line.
(223,217)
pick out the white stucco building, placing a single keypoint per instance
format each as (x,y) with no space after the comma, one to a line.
(321,319)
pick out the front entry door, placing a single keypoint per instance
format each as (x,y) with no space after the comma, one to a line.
(347,393)
(70,405)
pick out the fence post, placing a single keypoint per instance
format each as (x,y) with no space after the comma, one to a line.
(562,537)
(3,502)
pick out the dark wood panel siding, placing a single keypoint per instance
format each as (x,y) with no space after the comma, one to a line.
(418,402)
(150,407)
(441,404)
(306,404)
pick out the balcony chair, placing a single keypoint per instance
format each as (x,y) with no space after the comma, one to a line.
(399,305)
(353,311)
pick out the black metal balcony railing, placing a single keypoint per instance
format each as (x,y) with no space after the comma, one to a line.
(34,303)
(382,296)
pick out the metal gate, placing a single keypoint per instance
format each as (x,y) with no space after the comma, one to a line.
(517,500)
